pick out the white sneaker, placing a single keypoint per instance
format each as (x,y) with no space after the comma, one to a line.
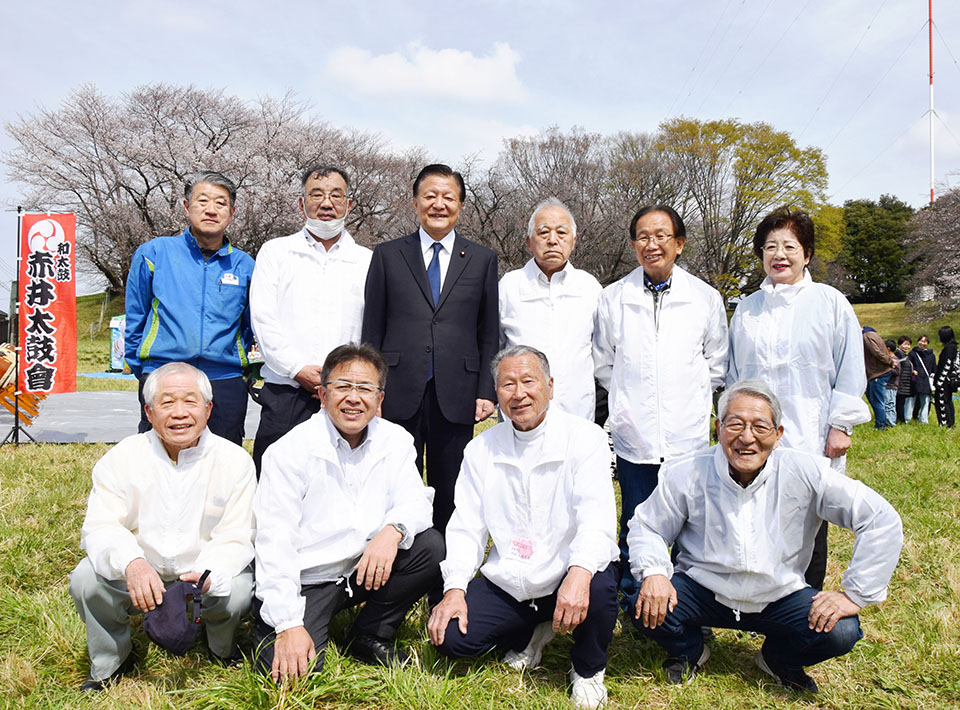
(587,693)
(531,655)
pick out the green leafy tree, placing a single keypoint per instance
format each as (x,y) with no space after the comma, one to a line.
(874,248)
(735,173)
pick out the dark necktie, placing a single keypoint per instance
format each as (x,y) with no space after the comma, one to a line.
(433,276)
(433,272)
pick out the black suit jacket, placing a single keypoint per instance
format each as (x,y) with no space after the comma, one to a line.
(461,333)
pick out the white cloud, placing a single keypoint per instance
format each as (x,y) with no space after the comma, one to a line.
(436,74)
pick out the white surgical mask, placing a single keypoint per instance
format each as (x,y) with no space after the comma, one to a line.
(325,230)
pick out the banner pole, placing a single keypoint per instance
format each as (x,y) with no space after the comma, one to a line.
(17,344)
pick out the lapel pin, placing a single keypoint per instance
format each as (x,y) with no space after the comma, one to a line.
(463,253)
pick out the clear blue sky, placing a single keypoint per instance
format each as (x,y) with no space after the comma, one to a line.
(848,76)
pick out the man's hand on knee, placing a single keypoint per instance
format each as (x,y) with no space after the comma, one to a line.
(573,600)
(453,606)
(292,652)
(144,585)
(376,563)
(828,608)
(657,598)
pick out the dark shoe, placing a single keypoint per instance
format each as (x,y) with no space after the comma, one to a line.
(786,677)
(231,661)
(707,633)
(679,670)
(376,651)
(92,685)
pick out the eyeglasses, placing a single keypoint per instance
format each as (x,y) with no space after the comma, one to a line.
(790,248)
(760,429)
(336,197)
(342,387)
(645,239)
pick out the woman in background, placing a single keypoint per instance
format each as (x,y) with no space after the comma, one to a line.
(925,364)
(947,377)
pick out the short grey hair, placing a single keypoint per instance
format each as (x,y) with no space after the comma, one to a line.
(517,351)
(550,202)
(214,178)
(750,388)
(176,368)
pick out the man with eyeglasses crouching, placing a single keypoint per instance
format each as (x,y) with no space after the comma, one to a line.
(343,518)
(744,514)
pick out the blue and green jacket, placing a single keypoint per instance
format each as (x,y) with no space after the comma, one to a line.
(182,307)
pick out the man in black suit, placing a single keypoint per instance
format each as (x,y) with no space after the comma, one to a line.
(431,308)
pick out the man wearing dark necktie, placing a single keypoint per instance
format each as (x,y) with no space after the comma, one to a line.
(431,308)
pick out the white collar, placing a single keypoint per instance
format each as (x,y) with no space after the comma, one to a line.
(535,273)
(342,243)
(339,442)
(427,242)
(786,291)
(185,455)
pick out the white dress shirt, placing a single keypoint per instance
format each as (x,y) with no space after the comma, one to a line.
(555,316)
(804,341)
(543,518)
(319,503)
(186,517)
(446,251)
(751,546)
(661,379)
(305,301)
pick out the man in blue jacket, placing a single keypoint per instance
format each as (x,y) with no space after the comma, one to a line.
(187,300)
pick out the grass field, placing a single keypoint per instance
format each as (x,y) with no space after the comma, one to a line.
(909,658)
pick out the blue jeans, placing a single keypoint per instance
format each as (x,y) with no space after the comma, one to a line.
(637,481)
(890,406)
(789,640)
(919,403)
(876,389)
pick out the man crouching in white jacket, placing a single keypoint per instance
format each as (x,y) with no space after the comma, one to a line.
(165,505)
(744,516)
(343,518)
(538,485)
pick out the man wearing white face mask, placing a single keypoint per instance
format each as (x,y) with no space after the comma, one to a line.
(306,298)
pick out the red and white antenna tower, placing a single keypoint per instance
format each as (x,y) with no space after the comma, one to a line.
(930,32)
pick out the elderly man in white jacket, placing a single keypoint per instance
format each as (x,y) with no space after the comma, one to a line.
(313,276)
(165,505)
(660,349)
(550,305)
(745,516)
(343,518)
(538,485)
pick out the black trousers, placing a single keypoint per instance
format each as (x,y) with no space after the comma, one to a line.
(943,400)
(444,442)
(229,409)
(282,407)
(497,619)
(414,572)
(817,569)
